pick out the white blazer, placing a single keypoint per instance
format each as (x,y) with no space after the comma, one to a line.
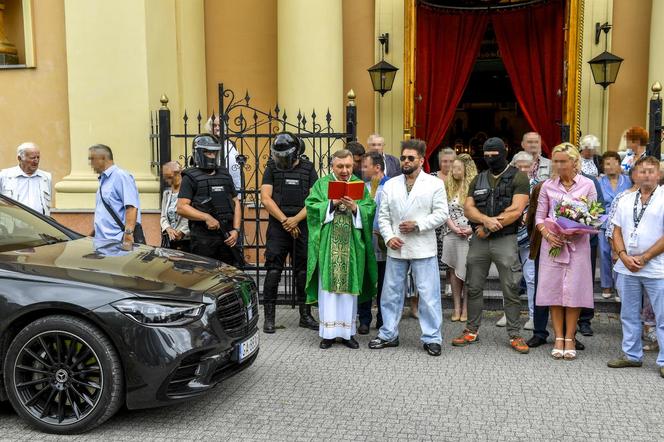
(426,205)
(9,187)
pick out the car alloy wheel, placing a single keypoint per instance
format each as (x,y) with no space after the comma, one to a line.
(63,375)
(58,378)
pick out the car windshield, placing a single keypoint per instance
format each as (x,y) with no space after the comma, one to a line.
(20,229)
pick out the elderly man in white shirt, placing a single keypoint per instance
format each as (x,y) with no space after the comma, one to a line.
(414,204)
(26,183)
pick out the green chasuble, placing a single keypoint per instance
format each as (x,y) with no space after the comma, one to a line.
(342,254)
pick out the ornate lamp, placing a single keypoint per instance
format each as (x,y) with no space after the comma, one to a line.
(606,65)
(382,73)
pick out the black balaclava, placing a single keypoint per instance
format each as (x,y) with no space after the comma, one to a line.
(496,163)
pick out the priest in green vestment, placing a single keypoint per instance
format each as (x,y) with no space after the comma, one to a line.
(341,265)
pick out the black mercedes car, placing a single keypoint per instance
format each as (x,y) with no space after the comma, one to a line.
(87,326)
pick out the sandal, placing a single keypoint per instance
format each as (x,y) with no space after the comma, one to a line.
(558,353)
(569,355)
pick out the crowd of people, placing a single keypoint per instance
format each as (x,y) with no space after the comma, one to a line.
(379,227)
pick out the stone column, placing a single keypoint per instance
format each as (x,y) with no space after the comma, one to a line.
(121,57)
(310,59)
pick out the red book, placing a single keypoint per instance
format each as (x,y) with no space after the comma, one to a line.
(338,189)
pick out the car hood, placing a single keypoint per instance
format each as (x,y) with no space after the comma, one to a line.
(144,270)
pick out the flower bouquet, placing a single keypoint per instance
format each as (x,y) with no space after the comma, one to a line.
(574,216)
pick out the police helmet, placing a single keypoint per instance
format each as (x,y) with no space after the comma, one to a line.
(285,150)
(206,151)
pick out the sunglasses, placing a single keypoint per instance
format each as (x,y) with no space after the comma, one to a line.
(410,158)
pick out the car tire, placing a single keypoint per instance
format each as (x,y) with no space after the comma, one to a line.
(63,375)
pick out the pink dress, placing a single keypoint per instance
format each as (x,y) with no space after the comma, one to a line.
(565,284)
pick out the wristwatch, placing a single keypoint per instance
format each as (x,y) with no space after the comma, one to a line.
(129,231)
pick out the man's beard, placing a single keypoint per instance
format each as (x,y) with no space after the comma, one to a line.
(407,171)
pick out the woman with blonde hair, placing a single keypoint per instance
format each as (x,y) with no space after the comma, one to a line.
(565,283)
(457,231)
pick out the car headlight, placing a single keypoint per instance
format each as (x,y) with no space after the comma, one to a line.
(160,312)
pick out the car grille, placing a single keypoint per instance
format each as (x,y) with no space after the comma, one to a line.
(237,311)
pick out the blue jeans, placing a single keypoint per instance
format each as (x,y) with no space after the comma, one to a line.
(528,270)
(605,262)
(364,308)
(427,280)
(631,295)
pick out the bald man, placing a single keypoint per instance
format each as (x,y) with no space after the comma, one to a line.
(174,228)
(26,183)
(376,143)
(541,169)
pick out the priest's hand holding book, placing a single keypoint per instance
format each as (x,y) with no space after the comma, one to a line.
(349,203)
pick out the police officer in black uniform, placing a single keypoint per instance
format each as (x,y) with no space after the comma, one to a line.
(286,183)
(208,199)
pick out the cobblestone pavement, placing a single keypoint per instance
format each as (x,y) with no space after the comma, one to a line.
(295,391)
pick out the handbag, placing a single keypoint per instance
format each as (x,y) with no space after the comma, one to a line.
(139,236)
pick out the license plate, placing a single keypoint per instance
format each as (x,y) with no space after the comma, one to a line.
(247,348)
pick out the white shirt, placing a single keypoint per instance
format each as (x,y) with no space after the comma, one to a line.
(33,190)
(650,230)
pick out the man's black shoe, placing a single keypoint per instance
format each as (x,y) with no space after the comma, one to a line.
(268,324)
(351,343)
(585,330)
(363,329)
(378,343)
(579,346)
(306,320)
(433,349)
(536,341)
(326,343)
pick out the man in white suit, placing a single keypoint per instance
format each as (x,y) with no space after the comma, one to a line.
(413,206)
(27,183)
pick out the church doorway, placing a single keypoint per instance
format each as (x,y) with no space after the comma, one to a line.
(482,71)
(488,107)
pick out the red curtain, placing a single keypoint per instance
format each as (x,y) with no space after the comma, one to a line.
(531,44)
(447,46)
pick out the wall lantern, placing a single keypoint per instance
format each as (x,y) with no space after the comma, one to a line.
(382,73)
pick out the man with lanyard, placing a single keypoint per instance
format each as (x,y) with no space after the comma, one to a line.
(208,199)
(638,238)
(287,180)
(496,200)
(372,170)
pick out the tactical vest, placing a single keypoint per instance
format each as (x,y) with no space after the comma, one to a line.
(213,188)
(492,202)
(291,187)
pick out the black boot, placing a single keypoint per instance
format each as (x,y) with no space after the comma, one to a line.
(268,322)
(306,320)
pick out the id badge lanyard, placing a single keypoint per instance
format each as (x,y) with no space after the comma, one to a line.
(636,217)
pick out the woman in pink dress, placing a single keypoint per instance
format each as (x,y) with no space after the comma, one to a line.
(565,283)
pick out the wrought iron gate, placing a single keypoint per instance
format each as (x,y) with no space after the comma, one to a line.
(250,131)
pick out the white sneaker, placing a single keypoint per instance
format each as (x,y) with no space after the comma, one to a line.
(607,295)
(529,325)
(502,322)
(617,297)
